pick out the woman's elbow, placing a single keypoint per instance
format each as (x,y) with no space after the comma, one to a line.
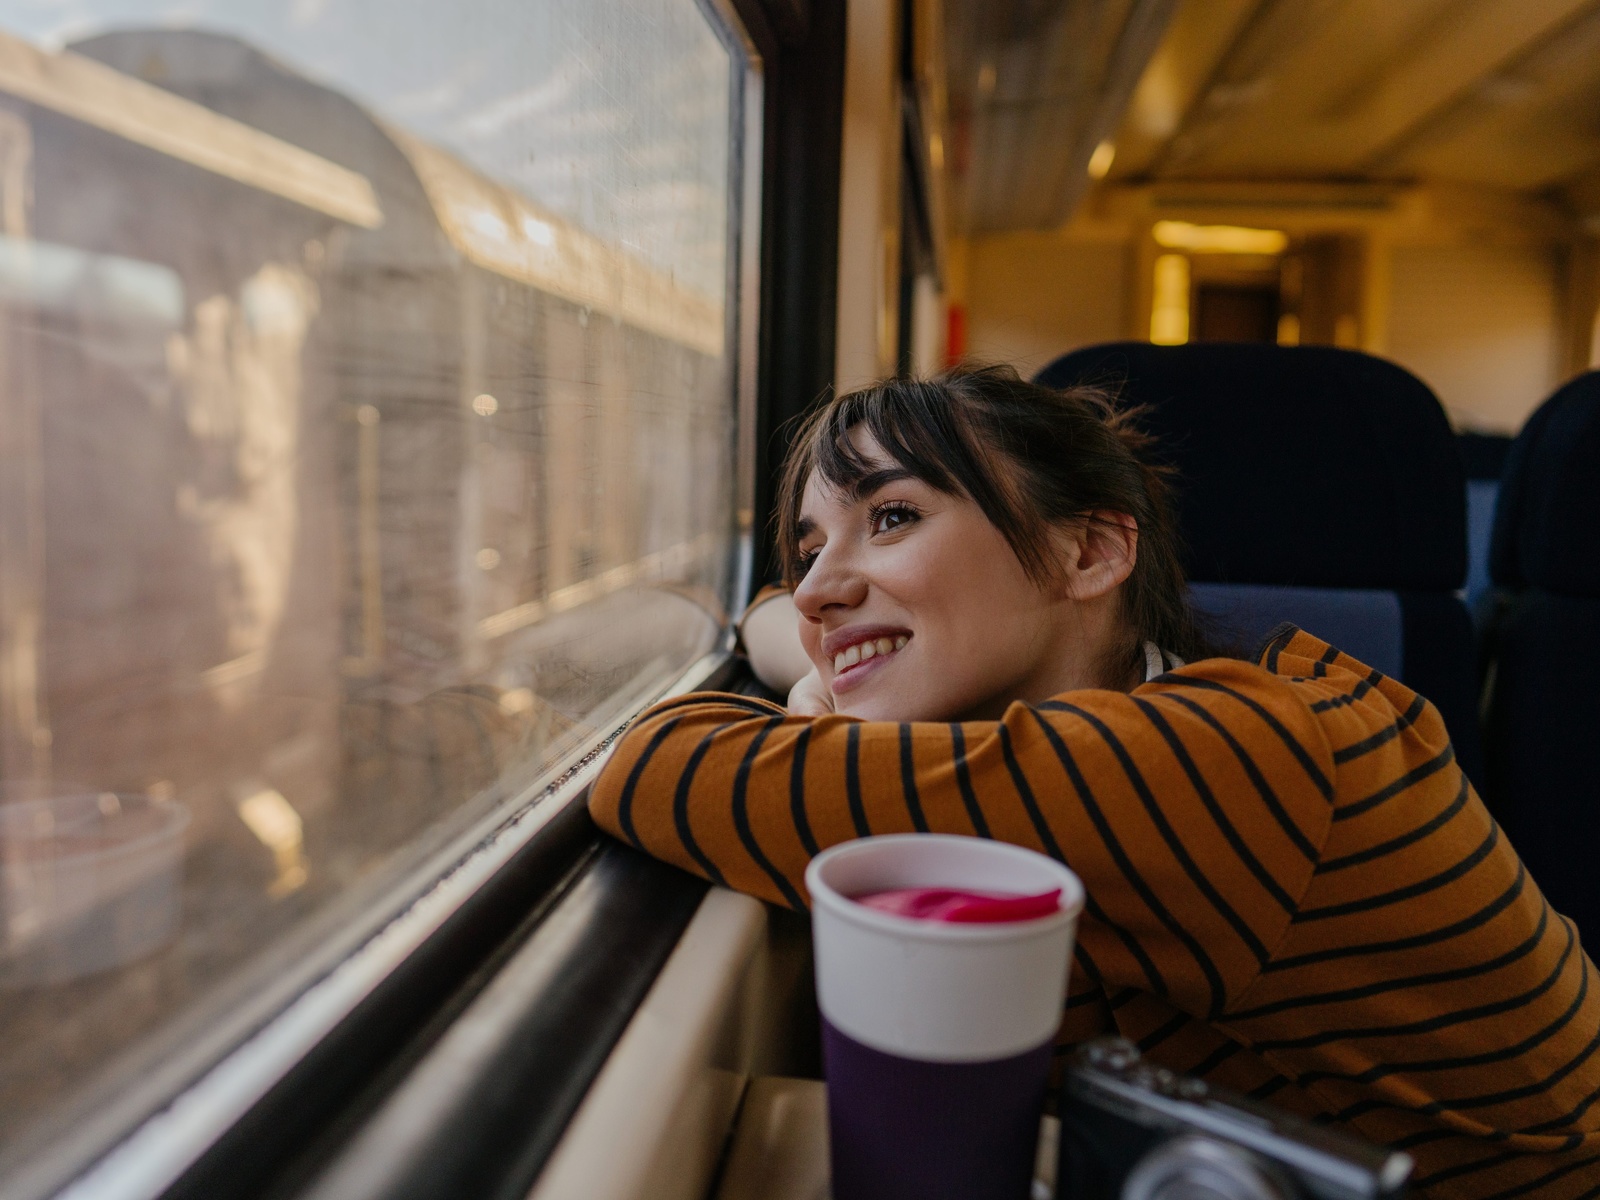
(771,635)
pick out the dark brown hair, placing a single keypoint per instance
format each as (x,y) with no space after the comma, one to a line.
(1031,458)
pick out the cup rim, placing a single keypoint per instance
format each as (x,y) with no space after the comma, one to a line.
(839,905)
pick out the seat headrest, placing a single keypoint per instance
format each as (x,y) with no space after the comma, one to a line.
(1303,466)
(1547,524)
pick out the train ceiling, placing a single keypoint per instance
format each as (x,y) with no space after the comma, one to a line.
(1503,93)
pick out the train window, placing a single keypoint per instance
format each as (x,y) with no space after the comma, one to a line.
(367,431)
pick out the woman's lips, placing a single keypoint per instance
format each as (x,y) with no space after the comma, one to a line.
(853,665)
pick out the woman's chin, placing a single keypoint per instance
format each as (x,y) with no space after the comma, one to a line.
(865,710)
(905,701)
(886,704)
(898,689)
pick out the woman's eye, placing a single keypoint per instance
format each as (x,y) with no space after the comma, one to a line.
(802,563)
(887,520)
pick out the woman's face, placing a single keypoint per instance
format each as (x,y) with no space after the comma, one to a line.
(914,607)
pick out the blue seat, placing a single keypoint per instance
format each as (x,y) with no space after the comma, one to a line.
(1319,486)
(1365,622)
(1543,713)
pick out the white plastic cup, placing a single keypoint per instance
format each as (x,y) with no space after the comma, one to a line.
(936,1035)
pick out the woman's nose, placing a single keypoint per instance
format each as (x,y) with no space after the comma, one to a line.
(831,581)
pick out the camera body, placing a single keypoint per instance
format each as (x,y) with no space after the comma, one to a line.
(1131,1130)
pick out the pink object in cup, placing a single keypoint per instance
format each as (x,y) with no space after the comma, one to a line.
(962,907)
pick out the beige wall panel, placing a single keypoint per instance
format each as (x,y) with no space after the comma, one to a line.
(1033,296)
(869,199)
(1481,324)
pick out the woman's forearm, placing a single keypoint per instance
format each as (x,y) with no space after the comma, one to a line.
(745,793)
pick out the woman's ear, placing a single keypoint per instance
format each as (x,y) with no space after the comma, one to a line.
(1099,553)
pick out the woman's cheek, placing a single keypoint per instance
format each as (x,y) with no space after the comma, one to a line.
(810,642)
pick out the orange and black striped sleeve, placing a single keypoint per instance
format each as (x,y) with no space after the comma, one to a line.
(1293,891)
(1193,808)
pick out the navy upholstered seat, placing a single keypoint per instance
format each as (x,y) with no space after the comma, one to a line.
(1544,713)
(1319,486)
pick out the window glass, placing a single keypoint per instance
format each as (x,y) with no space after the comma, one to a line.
(366,435)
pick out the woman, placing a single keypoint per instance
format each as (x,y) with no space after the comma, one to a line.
(1293,890)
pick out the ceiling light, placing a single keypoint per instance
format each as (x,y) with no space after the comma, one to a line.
(1219,239)
(1100,160)
(1169,309)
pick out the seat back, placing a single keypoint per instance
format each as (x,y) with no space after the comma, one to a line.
(1319,486)
(1543,713)
(1484,457)
(1365,622)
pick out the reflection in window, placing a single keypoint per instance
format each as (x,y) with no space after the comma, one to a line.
(366,425)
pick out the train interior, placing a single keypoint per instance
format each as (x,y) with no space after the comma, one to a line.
(391,402)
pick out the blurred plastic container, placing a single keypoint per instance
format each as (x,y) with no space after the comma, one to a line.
(88,881)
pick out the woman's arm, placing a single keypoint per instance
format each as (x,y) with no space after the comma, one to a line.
(770,630)
(1160,800)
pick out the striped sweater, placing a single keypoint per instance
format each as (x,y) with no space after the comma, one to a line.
(1292,889)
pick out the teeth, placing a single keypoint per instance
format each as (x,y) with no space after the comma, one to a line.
(862,651)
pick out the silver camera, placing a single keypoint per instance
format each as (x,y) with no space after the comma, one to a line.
(1131,1130)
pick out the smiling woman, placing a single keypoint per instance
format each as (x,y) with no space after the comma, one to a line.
(1267,847)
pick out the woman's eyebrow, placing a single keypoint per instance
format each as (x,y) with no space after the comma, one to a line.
(857,492)
(873,480)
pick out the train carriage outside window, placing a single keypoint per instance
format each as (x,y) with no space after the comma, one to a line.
(367,435)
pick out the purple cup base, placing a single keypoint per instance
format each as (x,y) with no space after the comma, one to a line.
(901,1129)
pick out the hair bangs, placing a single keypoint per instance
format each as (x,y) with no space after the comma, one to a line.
(909,434)
(936,431)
